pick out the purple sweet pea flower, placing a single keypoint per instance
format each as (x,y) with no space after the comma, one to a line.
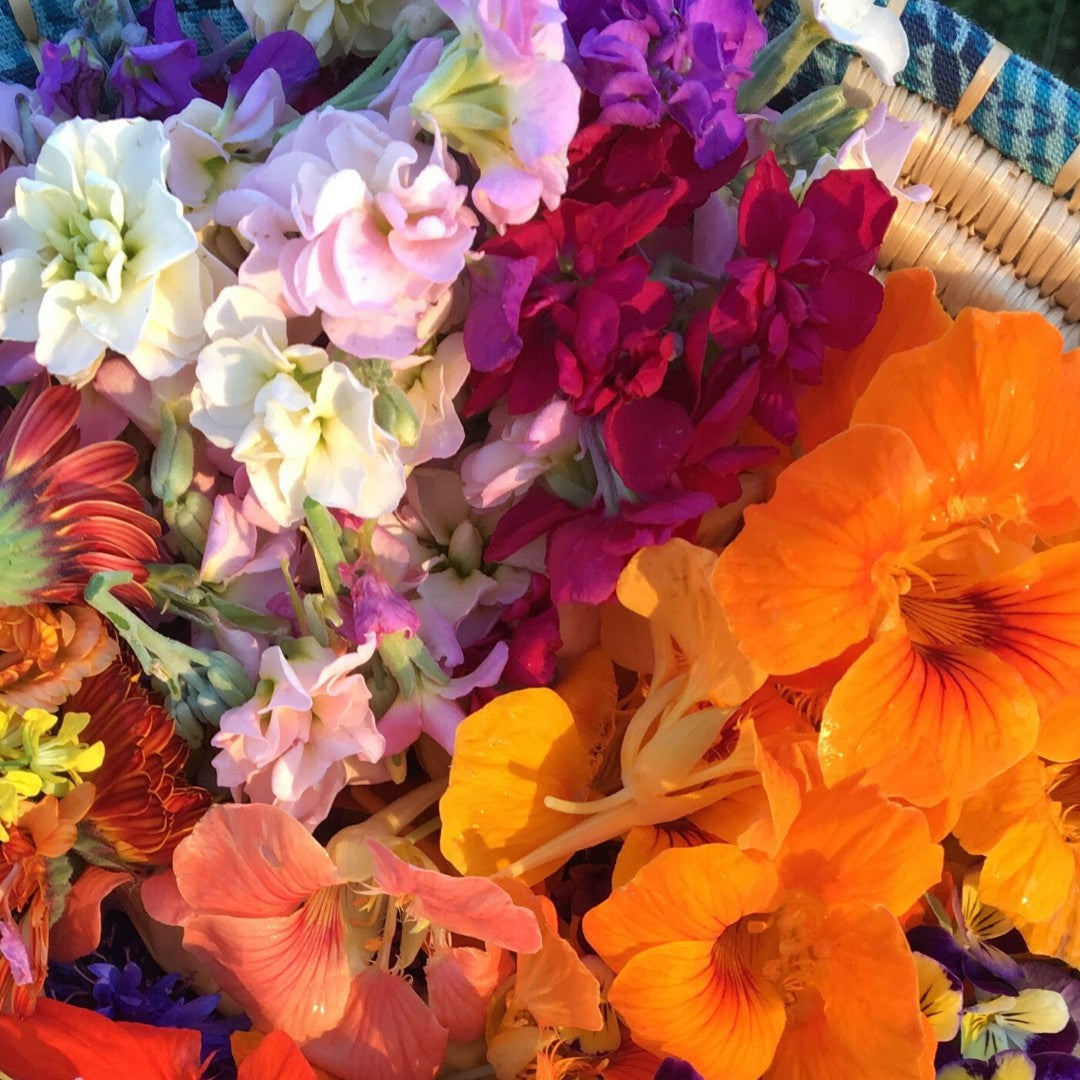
(643,57)
(154,81)
(160,21)
(290,54)
(72,78)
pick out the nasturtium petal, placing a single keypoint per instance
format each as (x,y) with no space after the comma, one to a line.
(859,1017)
(926,723)
(812,571)
(974,403)
(685,999)
(1030,872)
(251,860)
(289,972)
(509,756)
(849,844)
(911,315)
(671,586)
(689,893)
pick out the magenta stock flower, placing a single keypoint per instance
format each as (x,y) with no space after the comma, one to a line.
(803,282)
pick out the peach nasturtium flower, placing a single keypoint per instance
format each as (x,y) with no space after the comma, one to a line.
(789,969)
(916,535)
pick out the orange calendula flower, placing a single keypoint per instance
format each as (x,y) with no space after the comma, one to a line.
(1027,824)
(911,535)
(65,510)
(144,806)
(521,797)
(29,903)
(791,969)
(46,652)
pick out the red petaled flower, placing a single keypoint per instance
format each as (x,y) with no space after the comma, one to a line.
(144,807)
(65,510)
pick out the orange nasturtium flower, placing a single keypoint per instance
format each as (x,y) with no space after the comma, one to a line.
(1027,824)
(789,969)
(912,536)
(521,798)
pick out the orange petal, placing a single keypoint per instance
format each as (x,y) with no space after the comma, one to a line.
(509,756)
(671,586)
(860,1017)
(250,860)
(811,572)
(1017,794)
(1030,872)
(684,894)
(271,1057)
(590,691)
(1031,616)
(1060,934)
(289,971)
(689,999)
(974,403)
(553,985)
(926,723)
(387,1032)
(911,315)
(62,1041)
(1059,729)
(642,845)
(78,930)
(851,845)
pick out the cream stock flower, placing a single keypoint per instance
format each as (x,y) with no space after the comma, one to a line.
(334,27)
(302,425)
(97,255)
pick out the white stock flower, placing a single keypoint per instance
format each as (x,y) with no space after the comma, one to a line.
(249,347)
(97,255)
(334,27)
(301,424)
(325,446)
(874,32)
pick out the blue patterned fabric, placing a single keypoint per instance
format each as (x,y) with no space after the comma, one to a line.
(1028,114)
(54,19)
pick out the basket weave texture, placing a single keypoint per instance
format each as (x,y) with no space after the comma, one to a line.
(999,146)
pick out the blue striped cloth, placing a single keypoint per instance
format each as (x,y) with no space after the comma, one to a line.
(1028,114)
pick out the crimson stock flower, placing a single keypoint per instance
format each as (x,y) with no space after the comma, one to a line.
(803,282)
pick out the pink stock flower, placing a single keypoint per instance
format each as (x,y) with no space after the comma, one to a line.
(502,94)
(353,218)
(434,709)
(519,450)
(290,743)
(295,934)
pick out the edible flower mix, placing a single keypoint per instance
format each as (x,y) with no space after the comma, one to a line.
(494,583)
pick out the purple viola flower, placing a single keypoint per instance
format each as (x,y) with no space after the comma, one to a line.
(1051,1066)
(673,1068)
(72,78)
(686,58)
